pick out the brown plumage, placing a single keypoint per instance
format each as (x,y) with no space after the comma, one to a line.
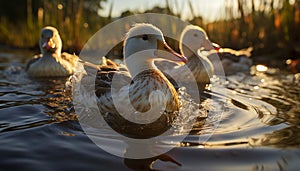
(148,87)
(140,89)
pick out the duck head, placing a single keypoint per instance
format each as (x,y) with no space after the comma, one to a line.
(145,43)
(50,41)
(194,37)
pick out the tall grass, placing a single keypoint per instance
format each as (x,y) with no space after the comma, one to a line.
(270,26)
(267,25)
(75,25)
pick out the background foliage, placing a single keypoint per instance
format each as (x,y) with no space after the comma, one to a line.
(272,27)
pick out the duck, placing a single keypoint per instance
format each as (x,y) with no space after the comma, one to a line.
(142,102)
(204,56)
(233,61)
(51,62)
(191,40)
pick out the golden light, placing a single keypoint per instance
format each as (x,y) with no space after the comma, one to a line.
(256,87)
(60,6)
(289,61)
(261,68)
(85,25)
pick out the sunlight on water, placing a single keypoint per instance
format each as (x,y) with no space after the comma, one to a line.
(239,119)
(261,68)
(191,112)
(86,104)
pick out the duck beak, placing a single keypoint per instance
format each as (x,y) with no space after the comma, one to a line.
(216,46)
(166,52)
(49,44)
(208,45)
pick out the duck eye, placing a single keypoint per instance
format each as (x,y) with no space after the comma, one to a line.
(145,37)
(195,35)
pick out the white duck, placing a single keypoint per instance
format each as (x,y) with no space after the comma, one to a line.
(192,38)
(51,62)
(148,87)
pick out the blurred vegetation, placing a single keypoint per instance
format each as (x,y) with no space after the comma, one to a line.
(76,20)
(272,27)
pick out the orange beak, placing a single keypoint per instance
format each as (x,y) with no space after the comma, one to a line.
(207,45)
(216,46)
(49,44)
(171,54)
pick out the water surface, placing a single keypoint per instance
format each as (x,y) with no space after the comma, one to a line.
(253,124)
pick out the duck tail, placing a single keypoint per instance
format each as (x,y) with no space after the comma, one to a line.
(108,62)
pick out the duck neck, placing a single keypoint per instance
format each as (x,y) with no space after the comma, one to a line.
(137,65)
(187,52)
(48,54)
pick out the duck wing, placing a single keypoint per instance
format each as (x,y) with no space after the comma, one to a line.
(105,74)
(70,58)
(140,97)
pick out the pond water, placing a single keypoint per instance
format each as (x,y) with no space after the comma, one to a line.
(258,128)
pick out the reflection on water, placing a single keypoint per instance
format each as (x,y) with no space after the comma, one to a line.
(286,137)
(252,124)
(29,98)
(146,164)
